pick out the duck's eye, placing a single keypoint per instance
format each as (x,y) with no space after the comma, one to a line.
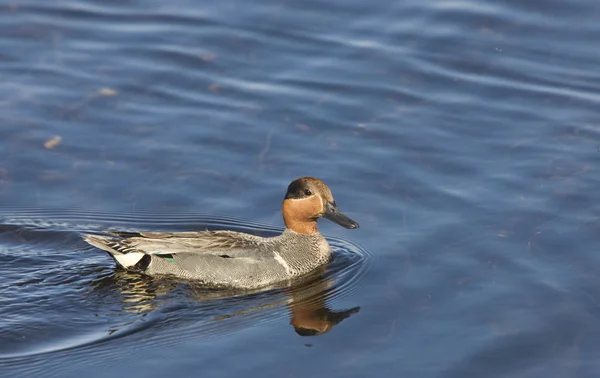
(307,192)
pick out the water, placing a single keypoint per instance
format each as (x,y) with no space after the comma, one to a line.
(462,136)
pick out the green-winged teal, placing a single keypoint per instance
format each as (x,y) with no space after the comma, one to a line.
(235,259)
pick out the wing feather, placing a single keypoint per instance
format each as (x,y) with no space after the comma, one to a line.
(184,242)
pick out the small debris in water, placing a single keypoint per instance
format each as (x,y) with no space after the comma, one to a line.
(208,57)
(107,92)
(214,88)
(53,142)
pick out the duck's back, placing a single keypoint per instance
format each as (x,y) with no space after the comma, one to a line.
(219,258)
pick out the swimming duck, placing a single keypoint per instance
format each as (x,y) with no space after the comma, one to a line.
(234,259)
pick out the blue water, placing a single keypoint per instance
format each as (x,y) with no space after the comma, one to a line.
(464,138)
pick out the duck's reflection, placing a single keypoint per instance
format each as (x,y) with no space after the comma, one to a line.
(306,300)
(315,318)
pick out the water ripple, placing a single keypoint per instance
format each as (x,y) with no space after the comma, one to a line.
(72,282)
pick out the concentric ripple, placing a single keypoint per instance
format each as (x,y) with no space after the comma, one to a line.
(66,295)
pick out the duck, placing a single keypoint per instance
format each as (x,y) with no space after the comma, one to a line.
(231,259)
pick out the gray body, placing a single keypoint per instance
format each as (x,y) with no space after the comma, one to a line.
(234,259)
(218,258)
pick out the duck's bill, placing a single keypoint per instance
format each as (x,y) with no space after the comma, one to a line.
(335,215)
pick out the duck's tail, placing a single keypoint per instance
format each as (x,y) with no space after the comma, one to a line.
(126,259)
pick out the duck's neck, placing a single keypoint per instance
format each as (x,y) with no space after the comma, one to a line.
(305,228)
(299,215)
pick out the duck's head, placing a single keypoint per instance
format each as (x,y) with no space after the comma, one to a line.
(308,199)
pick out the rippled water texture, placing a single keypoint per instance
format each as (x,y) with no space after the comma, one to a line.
(68,299)
(462,136)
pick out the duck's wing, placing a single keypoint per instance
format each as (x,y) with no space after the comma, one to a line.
(203,242)
(129,249)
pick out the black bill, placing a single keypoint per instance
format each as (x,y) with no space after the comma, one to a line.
(335,215)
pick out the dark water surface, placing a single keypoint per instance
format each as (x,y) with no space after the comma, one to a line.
(462,136)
